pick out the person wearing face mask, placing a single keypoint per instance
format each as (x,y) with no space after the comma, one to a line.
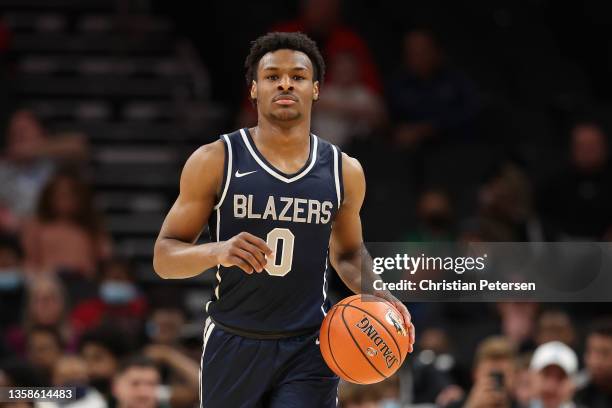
(119,301)
(435,216)
(12,291)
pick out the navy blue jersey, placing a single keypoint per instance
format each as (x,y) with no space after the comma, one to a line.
(293,213)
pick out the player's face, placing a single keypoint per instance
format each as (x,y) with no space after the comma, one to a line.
(284,88)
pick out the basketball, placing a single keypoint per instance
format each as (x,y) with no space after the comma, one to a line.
(363,340)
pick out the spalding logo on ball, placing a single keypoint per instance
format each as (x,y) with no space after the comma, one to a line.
(363,339)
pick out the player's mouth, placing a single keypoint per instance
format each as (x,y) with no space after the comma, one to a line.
(285,100)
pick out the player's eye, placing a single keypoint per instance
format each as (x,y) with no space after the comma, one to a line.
(272,77)
(298,77)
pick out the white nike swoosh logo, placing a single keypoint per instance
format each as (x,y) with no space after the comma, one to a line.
(239,174)
(317,342)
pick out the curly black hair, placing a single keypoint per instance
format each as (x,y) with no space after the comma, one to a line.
(278,41)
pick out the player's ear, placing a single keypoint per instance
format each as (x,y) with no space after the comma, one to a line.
(315,93)
(253,89)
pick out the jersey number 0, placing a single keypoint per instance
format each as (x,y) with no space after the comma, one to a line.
(286,251)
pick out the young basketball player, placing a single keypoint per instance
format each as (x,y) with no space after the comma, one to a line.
(280,203)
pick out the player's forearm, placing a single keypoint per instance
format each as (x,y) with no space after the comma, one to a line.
(174,259)
(355,270)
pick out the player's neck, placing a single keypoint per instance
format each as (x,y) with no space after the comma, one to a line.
(285,138)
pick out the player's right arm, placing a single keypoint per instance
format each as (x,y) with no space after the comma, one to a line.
(176,254)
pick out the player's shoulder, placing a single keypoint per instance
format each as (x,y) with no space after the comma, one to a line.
(207,160)
(206,155)
(351,167)
(353,179)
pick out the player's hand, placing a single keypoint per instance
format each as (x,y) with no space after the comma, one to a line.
(405,316)
(246,251)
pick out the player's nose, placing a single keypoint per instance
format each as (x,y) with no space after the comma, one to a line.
(285,83)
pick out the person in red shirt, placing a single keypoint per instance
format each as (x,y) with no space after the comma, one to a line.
(321,21)
(119,301)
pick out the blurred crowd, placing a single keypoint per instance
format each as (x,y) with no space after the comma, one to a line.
(74,313)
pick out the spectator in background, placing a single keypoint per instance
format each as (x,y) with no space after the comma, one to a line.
(165,324)
(553,365)
(523,384)
(181,373)
(506,208)
(321,21)
(46,306)
(428,100)
(67,235)
(28,161)
(597,392)
(44,349)
(119,301)
(518,320)
(427,377)
(494,374)
(16,372)
(348,109)
(359,396)
(578,198)
(435,218)
(102,349)
(12,282)
(136,384)
(555,325)
(71,371)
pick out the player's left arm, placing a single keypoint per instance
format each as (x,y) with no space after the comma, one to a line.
(347,251)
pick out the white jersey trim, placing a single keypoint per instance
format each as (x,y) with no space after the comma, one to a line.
(208,328)
(271,171)
(229,171)
(337,175)
(325,284)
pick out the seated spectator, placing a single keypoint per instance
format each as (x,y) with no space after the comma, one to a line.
(358,396)
(46,306)
(17,372)
(506,209)
(44,349)
(494,374)
(12,281)
(427,99)
(555,325)
(27,163)
(67,234)
(347,109)
(71,371)
(523,385)
(321,21)
(427,376)
(578,198)
(137,384)
(435,218)
(553,365)
(119,301)
(102,349)
(165,324)
(517,320)
(597,392)
(182,373)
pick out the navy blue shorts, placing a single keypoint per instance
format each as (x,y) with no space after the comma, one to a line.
(240,372)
